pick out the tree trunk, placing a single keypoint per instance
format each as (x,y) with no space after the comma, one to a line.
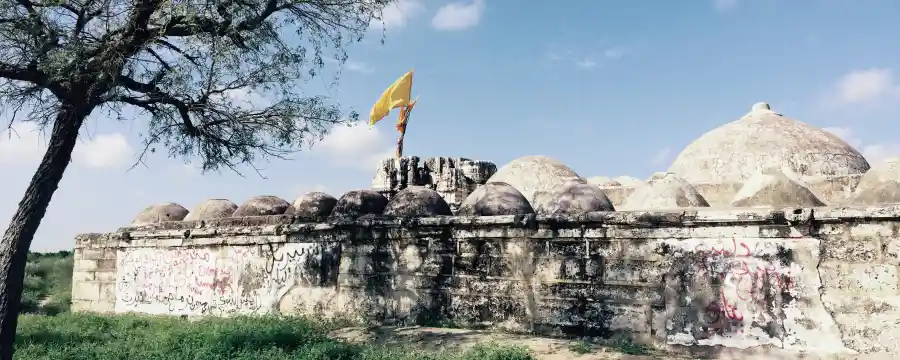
(17,239)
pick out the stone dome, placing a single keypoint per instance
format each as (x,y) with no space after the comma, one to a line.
(212,209)
(313,205)
(760,139)
(531,174)
(358,203)
(573,197)
(160,212)
(495,198)
(417,201)
(263,205)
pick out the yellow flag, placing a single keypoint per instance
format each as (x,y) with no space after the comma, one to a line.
(397,95)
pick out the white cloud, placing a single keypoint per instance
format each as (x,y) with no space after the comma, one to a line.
(397,14)
(865,86)
(103,151)
(22,144)
(614,53)
(725,5)
(26,144)
(662,156)
(586,63)
(874,153)
(458,16)
(357,146)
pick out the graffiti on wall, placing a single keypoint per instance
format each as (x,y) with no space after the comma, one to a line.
(222,281)
(738,287)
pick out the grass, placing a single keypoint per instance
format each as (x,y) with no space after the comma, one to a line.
(581,347)
(88,337)
(48,283)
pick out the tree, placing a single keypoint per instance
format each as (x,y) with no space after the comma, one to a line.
(179,63)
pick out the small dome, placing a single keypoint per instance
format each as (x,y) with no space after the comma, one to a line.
(670,192)
(313,205)
(495,198)
(212,209)
(628,181)
(880,185)
(357,203)
(530,174)
(263,205)
(598,180)
(160,212)
(417,201)
(572,197)
(775,189)
(762,138)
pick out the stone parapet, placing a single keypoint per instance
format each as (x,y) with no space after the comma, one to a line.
(821,280)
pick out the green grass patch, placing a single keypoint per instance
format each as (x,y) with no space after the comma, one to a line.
(89,337)
(48,283)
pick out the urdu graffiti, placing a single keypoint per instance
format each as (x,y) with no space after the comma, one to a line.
(197,281)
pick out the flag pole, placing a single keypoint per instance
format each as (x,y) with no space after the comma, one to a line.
(401,127)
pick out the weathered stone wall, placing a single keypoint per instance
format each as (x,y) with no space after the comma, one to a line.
(823,280)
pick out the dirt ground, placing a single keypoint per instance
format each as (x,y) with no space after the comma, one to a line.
(428,338)
(443,338)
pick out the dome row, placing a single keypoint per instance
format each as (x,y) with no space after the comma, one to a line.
(491,199)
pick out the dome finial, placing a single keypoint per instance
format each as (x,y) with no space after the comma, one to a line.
(760,106)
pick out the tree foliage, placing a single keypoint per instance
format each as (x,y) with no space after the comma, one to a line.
(189,66)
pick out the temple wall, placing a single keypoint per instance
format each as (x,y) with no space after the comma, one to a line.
(823,280)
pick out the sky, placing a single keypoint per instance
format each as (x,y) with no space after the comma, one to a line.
(607,87)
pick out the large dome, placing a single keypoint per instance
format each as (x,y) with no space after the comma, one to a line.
(764,139)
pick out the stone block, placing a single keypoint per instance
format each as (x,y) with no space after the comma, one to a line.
(849,248)
(106,264)
(87,290)
(868,333)
(81,276)
(105,276)
(107,292)
(633,272)
(85,265)
(864,278)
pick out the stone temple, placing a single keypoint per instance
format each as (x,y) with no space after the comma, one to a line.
(765,236)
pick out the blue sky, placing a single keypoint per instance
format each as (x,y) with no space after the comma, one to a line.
(608,87)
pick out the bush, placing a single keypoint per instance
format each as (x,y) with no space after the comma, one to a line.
(88,337)
(48,283)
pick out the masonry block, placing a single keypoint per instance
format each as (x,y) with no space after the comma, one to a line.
(870,278)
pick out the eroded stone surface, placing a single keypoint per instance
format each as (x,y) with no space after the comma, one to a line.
(823,280)
(212,209)
(628,180)
(453,178)
(261,206)
(573,197)
(359,203)
(417,201)
(530,174)
(763,138)
(495,198)
(160,212)
(313,205)
(774,188)
(598,180)
(669,192)
(880,185)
